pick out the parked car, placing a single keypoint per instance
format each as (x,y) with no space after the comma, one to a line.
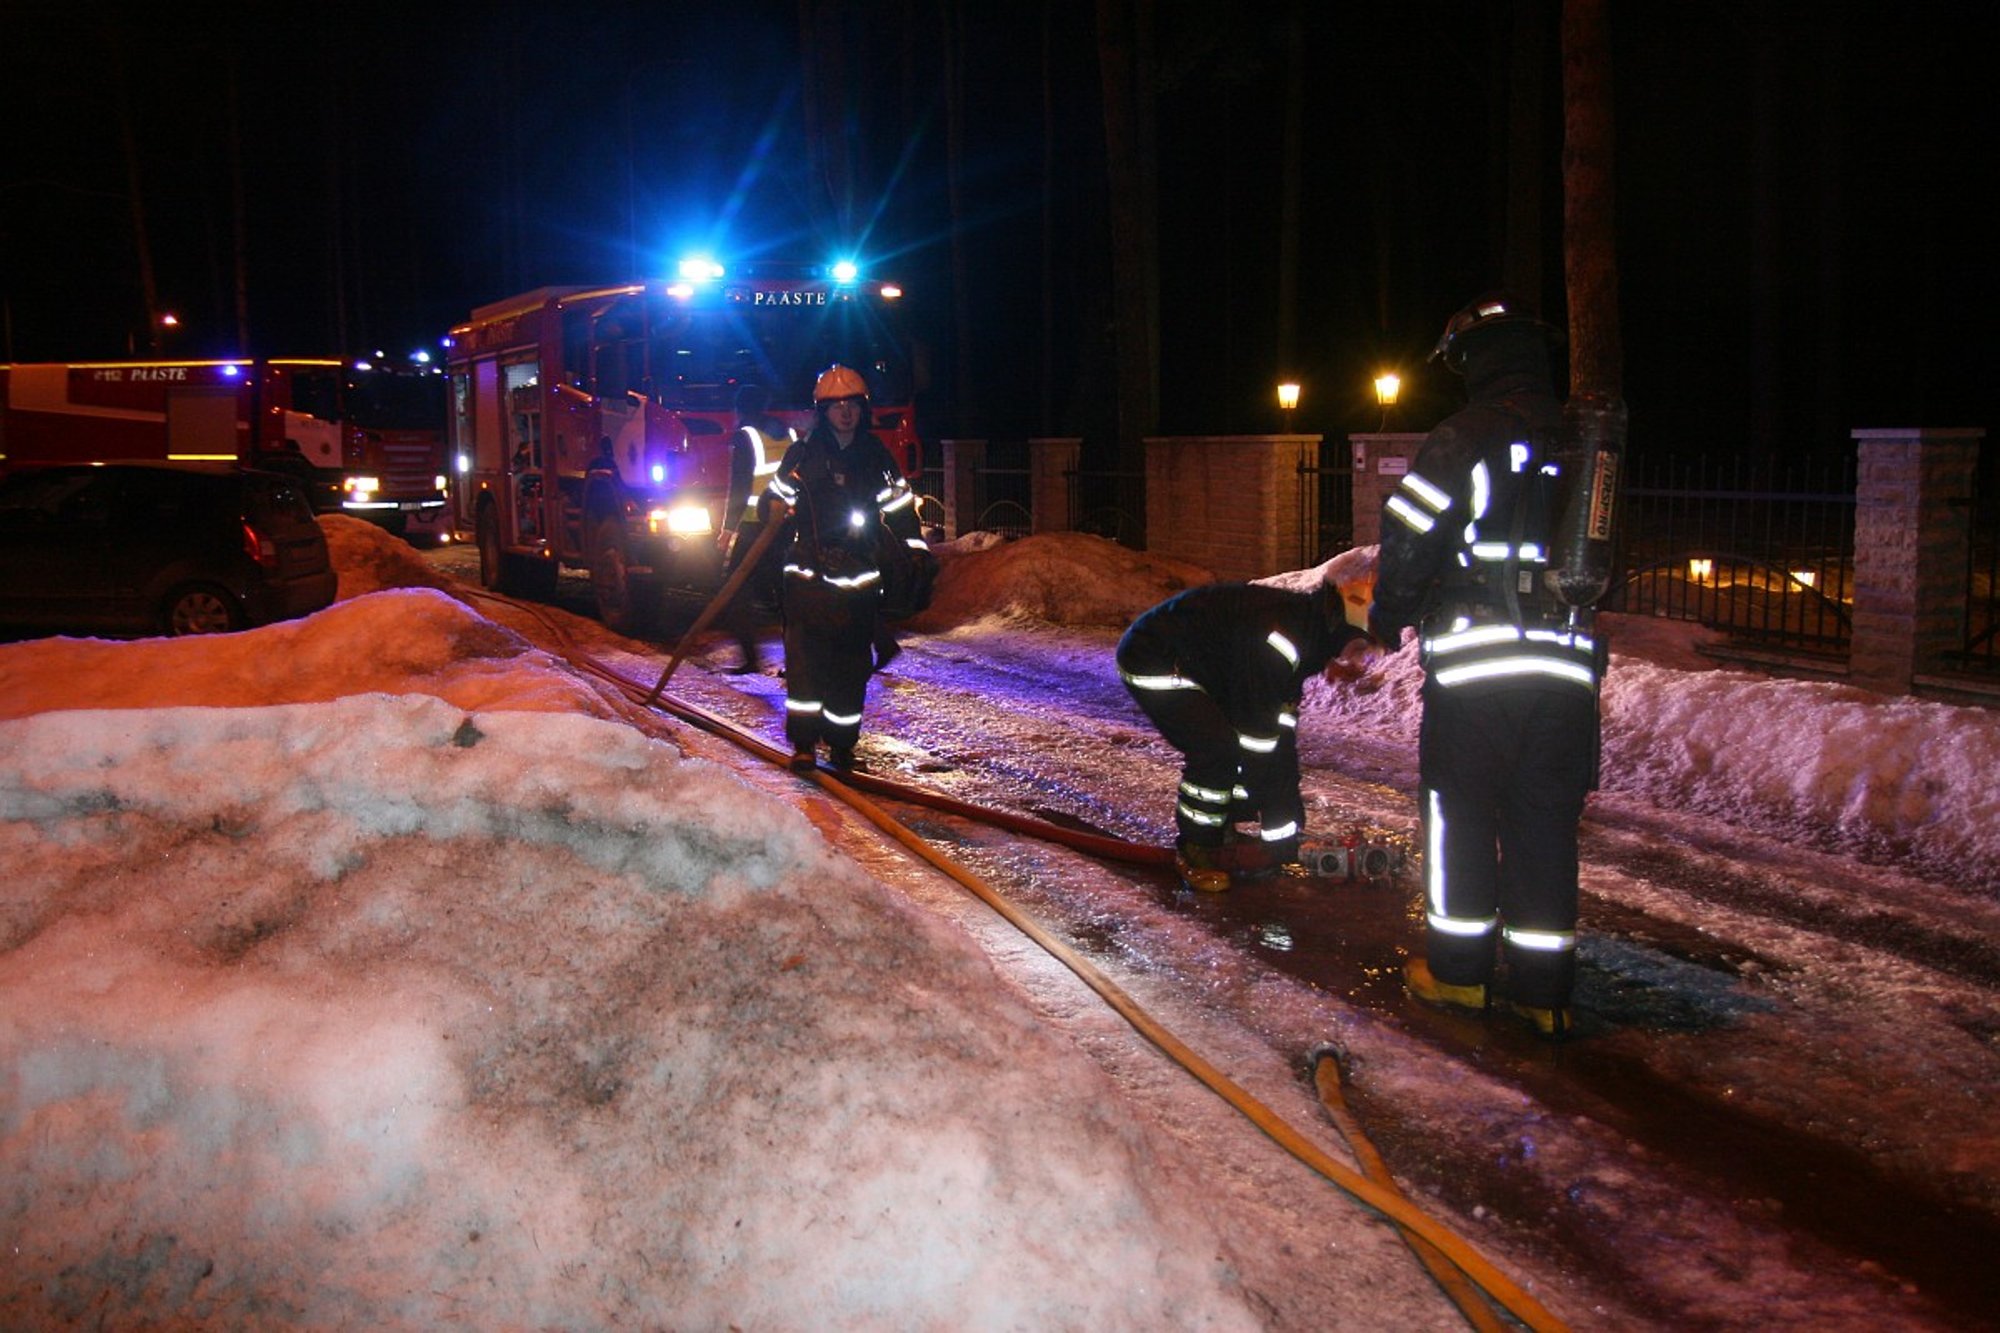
(158,548)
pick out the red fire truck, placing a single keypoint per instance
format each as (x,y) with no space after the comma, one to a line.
(590,426)
(367,441)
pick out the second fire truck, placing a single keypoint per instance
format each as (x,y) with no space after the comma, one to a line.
(365,440)
(590,426)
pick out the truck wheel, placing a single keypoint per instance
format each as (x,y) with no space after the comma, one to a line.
(199,608)
(621,599)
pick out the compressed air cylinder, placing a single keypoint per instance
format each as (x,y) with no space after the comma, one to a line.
(1589,456)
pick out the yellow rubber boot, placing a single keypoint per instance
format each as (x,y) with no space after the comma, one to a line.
(1417,979)
(1199,868)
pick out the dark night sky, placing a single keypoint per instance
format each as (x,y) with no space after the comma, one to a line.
(1803,238)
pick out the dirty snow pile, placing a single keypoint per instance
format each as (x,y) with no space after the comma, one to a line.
(438,1001)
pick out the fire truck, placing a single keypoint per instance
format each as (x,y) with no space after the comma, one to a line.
(590,426)
(366,440)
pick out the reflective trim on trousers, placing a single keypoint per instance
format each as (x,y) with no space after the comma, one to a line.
(1173,680)
(1541,941)
(1438,916)
(1206,795)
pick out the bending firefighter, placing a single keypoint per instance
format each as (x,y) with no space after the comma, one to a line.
(1508,746)
(846,496)
(1219,670)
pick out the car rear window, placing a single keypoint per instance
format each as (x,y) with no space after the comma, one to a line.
(277,499)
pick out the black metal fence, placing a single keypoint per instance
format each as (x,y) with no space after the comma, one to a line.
(1982,574)
(1326,505)
(1109,504)
(1763,553)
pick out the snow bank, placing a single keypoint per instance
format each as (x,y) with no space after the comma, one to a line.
(390,1012)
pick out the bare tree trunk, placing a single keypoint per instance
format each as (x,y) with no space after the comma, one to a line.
(141,239)
(824,83)
(1522,271)
(1048,367)
(1288,193)
(1125,57)
(239,222)
(964,390)
(1597,354)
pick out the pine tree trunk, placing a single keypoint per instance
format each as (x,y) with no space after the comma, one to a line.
(1124,40)
(1590,261)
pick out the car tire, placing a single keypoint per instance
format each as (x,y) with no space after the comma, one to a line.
(200,608)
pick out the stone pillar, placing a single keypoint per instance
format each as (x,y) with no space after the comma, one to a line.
(1231,504)
(963,462)
(1912,530)
(1380,461)
(1050,462)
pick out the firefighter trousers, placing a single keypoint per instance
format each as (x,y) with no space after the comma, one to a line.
(829,655)
(1221,783)
(1503,776)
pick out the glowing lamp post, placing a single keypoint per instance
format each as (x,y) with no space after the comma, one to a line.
(1288,401)
(1388,386)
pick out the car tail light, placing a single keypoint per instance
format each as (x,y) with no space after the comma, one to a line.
(259,547)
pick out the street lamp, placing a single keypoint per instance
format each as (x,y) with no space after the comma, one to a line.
(1388,385)
(1288,401)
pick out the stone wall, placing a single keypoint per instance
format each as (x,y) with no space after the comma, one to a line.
(1912,535)
(1379,464)
(1231,504)
(1050,463)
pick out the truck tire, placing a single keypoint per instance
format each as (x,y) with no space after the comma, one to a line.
(199,608)
(623,602)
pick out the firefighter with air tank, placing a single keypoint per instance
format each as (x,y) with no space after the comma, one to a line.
(1476,556)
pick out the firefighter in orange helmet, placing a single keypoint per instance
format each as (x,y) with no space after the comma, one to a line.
(844,492)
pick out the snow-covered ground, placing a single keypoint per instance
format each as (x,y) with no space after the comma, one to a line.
(381,968)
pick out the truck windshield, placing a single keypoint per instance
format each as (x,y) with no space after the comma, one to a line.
(379,400)
(698,357)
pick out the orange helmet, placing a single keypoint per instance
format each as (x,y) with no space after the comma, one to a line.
(836,382)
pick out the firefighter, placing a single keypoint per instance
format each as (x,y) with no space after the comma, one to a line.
(840,487)
(1219,669)
(1508,745)
(755,447)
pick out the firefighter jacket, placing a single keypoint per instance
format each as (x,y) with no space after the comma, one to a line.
(846,504)
(754,451)
(1465,544)
(1247,646)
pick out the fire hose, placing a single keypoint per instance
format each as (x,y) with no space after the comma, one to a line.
(1452,1261)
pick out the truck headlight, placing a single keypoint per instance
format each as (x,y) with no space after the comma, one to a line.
(681,520)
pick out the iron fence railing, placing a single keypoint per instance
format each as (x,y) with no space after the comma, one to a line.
(1326,505)
(1108,504)
(1763,553)
(1982,573)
